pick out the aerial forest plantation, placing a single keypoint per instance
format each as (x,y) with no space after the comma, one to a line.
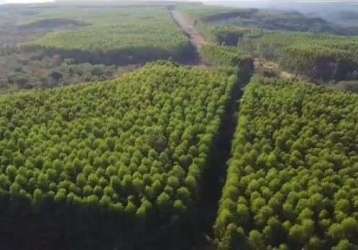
(162,125)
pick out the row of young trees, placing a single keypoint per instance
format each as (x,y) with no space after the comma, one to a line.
(225,56)
(136,35)
(320,57)
(231,35)
(291,182)
(134,148)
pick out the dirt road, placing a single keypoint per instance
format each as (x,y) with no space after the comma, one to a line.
(187,25)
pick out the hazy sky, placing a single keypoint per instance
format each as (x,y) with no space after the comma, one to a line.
(23,1)
(216,1)
(37,1)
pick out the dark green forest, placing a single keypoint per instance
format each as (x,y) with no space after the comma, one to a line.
(177,126)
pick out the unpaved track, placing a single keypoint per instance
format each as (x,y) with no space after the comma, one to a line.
(187,25)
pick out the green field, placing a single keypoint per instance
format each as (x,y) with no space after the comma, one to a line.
(291,183)
(120,35)
(119,160)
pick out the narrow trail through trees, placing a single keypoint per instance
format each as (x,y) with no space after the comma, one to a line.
(188,27)
(216,174)
(221,151)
